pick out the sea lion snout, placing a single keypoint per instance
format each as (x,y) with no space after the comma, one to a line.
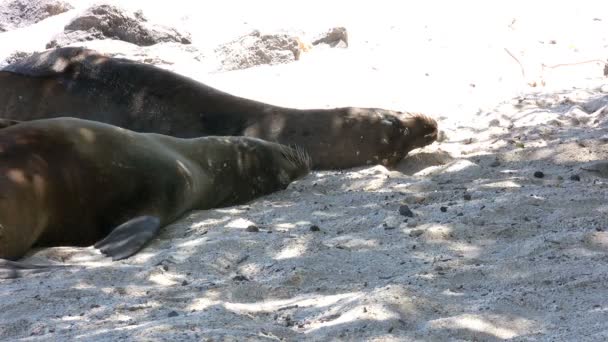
(294,163)
(423,129)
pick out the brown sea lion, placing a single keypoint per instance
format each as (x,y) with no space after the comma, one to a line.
(83,83)
(68,181)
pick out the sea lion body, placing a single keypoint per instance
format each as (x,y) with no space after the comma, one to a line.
(85,84)
(69,181)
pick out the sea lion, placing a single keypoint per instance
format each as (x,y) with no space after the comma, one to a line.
(86,84)
(67,181)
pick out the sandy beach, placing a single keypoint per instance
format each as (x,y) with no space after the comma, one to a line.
(509,234)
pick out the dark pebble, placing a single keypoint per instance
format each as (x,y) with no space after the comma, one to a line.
(460,214)
(315,228)
(405,211)
(173,314)
(240,278)
(495,163)
(443,209)
(575,178)
(539,174)
(467,197)
(252,229)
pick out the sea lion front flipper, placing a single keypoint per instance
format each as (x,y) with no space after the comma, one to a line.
(128,238)
(14,269)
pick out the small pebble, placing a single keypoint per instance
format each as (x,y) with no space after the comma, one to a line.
(405,211)
(315,228)
(252,229)
(173,314)
(387,227)
(467,197)
(443,209)
(539,174)
(575,178)
(495,163)
(240,278)
(416,232)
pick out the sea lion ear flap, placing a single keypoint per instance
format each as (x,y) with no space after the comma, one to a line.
(128,238)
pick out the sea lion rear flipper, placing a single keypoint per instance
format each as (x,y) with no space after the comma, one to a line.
(14,269)
(128,238)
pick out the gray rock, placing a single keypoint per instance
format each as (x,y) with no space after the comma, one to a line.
(14,57)
(595,104)
(258,49)
(108,21)
(20,13)
(335,37)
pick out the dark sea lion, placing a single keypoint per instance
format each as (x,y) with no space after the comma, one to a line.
(68,181)
(86,84)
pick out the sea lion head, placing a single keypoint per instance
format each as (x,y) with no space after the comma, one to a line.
(419,130)
(285,164)
(268,166)
(404,132)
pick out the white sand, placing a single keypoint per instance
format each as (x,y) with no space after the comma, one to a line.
(525,258)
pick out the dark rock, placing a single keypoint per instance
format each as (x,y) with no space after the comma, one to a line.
(539,174)
(575,178)
(443,209)
(314,228)
(467,197)
(405,211)
(108,21)
(240,277)
(252,229)
(172,314)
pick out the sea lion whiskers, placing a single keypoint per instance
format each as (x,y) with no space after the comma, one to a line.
(297,156)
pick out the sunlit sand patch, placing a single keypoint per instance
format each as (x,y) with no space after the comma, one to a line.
(295,248)
(475,323)
(501,184)
(239,223)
